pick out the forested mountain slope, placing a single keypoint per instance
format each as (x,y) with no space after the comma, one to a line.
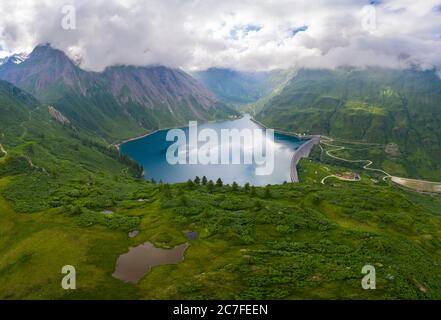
(398,107)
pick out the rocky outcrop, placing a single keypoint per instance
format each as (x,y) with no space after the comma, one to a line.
(58,116)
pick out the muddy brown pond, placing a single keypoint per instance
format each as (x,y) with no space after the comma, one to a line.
(133,265)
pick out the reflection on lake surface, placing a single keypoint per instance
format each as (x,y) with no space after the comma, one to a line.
(150,151)
(132,266)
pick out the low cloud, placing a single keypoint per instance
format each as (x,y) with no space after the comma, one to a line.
(245,35)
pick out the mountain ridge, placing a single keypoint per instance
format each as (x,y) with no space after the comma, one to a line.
(387,106)
(118,103)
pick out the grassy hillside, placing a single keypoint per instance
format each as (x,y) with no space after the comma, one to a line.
(399,108)
(45,156)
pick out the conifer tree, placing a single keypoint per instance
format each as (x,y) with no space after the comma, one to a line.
(210,186)
(190,184)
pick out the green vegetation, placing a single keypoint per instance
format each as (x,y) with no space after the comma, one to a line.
(398,109)
(279,242)
(68,199)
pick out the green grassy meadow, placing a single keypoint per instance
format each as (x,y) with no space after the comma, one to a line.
(302,241)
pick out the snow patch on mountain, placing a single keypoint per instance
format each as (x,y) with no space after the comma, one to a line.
(16,58)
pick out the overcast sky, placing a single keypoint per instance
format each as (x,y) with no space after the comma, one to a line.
(246,35)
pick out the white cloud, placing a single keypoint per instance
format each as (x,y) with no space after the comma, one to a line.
(249,35)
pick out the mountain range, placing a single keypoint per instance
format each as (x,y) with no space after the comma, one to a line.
(118,103)
(397,108)
(66,197)
(16,58)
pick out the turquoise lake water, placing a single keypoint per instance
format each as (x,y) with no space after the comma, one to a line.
(150,152)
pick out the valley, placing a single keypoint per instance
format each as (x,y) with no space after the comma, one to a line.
(149,151)
(306,240)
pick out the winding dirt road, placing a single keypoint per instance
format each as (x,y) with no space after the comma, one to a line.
(408,183)
(339,178)
(340,148)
